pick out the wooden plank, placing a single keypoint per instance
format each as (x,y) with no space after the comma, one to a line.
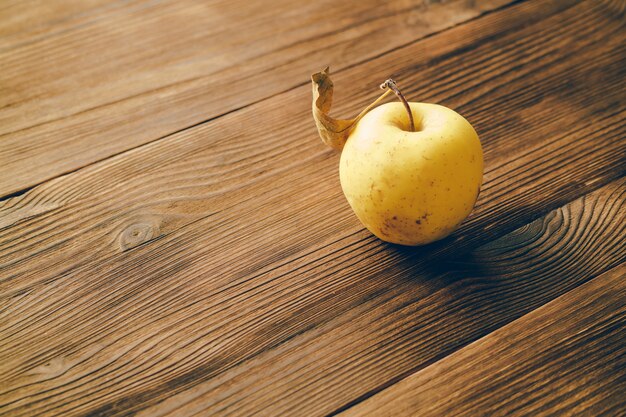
(143,71)
(565,358)
(27,21)
(408,320)
(164,251)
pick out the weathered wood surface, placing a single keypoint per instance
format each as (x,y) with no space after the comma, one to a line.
(91,82)
(414,314)
(565,358)
(219,269)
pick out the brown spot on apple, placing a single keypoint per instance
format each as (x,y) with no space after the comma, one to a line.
(381,195)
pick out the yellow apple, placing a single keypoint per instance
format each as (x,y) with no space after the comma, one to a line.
(410,180)
(412,188)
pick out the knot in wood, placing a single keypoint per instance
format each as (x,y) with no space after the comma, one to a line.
(138,233)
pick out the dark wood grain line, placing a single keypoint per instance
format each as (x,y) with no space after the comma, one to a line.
(564,358)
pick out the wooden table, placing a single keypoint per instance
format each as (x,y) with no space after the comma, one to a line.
(174,240)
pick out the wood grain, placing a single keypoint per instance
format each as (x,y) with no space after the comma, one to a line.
(184,264)
(27,21)
(409,318)
(133,72)
(495,283)
(565,358)
(188,178)
(401,305)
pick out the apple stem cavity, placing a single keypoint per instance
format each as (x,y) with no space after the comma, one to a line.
(392,86)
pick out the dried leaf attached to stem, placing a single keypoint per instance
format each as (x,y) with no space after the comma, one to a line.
(334,132)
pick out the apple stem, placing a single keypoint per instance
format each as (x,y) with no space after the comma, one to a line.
(371,106)
(391,85)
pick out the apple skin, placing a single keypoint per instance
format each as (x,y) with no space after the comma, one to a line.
(412,188)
